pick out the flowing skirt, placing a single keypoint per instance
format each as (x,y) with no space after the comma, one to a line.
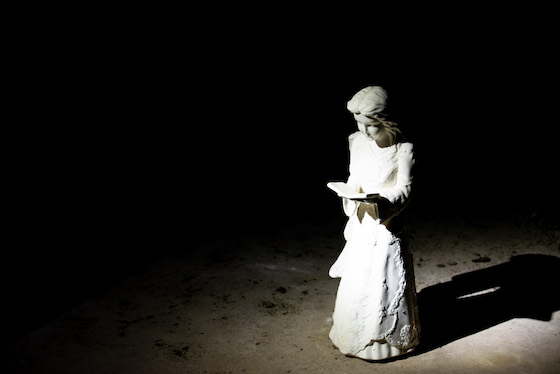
(376,312)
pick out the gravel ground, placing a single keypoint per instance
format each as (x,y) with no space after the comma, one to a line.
(260,301)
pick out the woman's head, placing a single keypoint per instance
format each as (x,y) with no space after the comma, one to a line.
(368,101)
(367,106)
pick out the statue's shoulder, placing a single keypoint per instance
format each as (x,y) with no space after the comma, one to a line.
(405,147)
(353,137)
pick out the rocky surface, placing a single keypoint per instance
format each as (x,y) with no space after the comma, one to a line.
(260,301)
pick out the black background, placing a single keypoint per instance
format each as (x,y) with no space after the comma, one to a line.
(136,142)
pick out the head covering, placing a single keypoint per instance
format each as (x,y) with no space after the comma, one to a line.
(368,101)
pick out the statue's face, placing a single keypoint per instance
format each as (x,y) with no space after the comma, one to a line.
(370,126)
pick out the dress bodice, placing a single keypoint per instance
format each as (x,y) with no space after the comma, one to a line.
(374,169)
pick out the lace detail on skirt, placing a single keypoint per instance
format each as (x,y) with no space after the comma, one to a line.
(375,301)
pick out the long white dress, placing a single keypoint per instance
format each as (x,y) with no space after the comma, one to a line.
(376,313)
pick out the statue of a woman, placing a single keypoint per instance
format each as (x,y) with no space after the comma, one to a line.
(376,313)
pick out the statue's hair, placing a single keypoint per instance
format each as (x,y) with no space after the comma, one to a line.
(371,102)
(392,129)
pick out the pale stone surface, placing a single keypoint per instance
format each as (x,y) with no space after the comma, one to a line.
(376,311)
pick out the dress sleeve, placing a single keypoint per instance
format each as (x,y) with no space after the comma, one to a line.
(400,192)
(350,206)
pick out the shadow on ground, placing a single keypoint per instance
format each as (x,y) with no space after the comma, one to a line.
(524,287)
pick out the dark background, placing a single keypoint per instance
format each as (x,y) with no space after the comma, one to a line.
(135,143)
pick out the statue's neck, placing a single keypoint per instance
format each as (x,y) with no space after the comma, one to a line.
(384,141)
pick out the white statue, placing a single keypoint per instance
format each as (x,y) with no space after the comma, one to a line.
(376,313)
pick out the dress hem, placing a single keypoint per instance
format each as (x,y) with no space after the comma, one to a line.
(378,351)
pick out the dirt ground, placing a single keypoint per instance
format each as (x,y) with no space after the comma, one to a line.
(260,301)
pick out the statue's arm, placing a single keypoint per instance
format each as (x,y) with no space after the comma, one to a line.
(350,206)
(402,189)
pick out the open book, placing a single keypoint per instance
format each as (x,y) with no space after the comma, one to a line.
(344,190)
